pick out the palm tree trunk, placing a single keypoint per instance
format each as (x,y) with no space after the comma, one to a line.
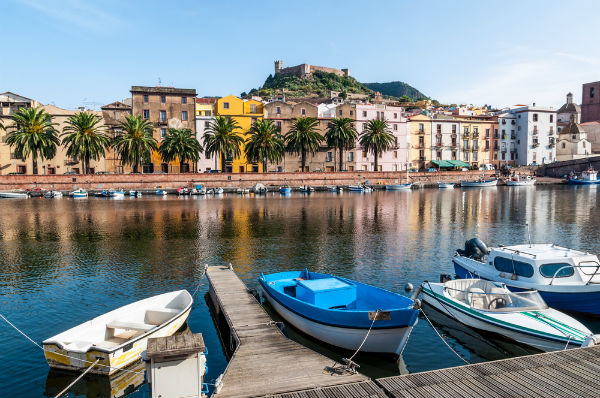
(34,164)
(341,159)
(264,165)
(222,162)
(87,165)
(180,166)
(303,160)
(376,162)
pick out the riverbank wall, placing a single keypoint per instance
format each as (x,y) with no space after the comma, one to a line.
(560,169)
(226,180)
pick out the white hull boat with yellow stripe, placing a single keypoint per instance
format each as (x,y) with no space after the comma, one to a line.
(117,338)
(520,316)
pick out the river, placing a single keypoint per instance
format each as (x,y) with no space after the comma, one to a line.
(64,261)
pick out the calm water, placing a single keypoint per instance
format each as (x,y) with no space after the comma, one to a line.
(65,261)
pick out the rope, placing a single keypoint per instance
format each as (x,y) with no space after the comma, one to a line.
(64,355)
(200,280)
(63,392)
(366,336)
(444,340)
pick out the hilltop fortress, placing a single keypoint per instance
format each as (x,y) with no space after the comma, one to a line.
(306,70)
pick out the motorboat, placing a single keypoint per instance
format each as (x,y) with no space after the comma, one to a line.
(398,187)
(479,183)
(36,193)
(242,191)
(520,181)
(566,279)
(445,185)
(356,188)
(285,190)
(14,195)
(53,194)
(218,191)
(116,193)
(332,189)
(78,193)
(259,188)
(210,192)
(161,192)
(120,336)
(340,311)
(588,177)
(135,194)
(183,191)
(306,189)
(520,316)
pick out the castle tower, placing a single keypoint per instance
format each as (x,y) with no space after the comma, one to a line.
(278,66)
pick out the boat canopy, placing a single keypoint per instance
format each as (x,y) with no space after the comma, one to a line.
(489,296)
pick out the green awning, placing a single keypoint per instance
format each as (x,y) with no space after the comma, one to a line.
(459,163)
(442,163)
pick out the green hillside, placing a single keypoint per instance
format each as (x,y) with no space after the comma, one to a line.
(397,90)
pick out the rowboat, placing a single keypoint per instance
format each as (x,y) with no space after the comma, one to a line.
(479,183)
(520,316)
(445,185)
(566,279)
(285,190)
(340,311)
(79,193)
(520,181)
(398,187)
(306,189)
(118,337)
(161,192)
(218,191)
(14,195)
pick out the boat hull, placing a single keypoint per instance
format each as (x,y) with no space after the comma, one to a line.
(398,187)
(445,185)
(380,341)
(13,195)
(586,302)
(529,183)
(478,184)
(487,323)
(574,181)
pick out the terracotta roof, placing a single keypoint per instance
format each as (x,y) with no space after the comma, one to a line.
(206,100)
(116,105)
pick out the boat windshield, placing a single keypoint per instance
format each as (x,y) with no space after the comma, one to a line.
(506,301)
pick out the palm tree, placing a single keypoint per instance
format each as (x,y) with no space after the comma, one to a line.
(136,143)
(33,133)
(376,138)
(341,134)
(85,138)
(180,144)
(220,138)
(265,143)
(303,137)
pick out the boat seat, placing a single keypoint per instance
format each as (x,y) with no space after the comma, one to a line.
(144,327)
(158,316)
(477,298)
(79,346)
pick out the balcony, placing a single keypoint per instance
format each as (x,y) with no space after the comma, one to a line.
(536,144)
(421,146)
(513,150)
(513,137)
(475,149)
(420,132)
(466,135)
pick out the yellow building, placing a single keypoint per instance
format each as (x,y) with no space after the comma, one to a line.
(419,138)
(244,112)
(476,144)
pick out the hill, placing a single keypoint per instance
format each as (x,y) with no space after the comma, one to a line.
(397,90)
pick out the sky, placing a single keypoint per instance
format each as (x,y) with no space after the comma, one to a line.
(90,52)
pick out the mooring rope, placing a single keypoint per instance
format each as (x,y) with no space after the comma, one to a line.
(366,336)
(444,340)
(200,284)
(63,392)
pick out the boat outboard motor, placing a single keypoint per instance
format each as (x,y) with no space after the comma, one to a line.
(474,248)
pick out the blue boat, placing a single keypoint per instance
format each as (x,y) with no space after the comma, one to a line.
(285,190)
(567,279)
(588,177)
(340,311)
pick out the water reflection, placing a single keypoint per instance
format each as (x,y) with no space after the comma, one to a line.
(65,261)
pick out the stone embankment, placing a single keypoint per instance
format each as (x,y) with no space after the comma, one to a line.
(231,181)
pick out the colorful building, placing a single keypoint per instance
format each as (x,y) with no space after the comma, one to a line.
(419,147)
(245,113)
(204,116)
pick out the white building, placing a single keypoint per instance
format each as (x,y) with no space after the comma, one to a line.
(204,116)
(507,139)
(572,142)
(535,134)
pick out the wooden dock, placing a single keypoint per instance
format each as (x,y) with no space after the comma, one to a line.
(265,362)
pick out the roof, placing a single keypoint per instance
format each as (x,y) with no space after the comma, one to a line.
(162,90)
(206,100)
(542,251)
(12,97)
(116,105)
(570,108)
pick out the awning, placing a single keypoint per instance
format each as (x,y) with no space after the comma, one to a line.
(459,163)
(442,163)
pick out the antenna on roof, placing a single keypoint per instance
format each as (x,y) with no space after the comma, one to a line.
(528,234)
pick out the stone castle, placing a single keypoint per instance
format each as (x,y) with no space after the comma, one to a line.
(306,70)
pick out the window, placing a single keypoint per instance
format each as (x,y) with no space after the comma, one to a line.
(466,156)
(535,117)
(146,113)
(551,118)
(329,157)
(495,133)
(421,141)
(487,133)
(454,129)
(278,110)
(453,155)
(364,113)
(279,125)
(564,145)
(439,128)
(364,154)
(439,155)
(163,99)
(395,116)
(591,92)
(207,113)
(252,108)
(364,126)
(487,145)
(511,266)
(163,133)
(146,98)
(395,154)
(206,124)
(474,156)
(503,121)
(466,131)
(163,116)
(421,127)
(303,111)
(184,100)
(466,145)
(340,112)
(225,105)
(351,156)
(351,113)
(395,127)
(475,130)
(549,270)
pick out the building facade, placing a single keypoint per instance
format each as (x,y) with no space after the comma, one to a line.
(590,102)
(204,117)
(572,142)
(535,135)
(245,113)
(113,115)
(165,107)
(419,142)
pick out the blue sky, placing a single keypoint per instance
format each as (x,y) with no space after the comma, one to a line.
(501,53)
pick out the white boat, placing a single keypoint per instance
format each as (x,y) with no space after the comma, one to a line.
(118,337)
(445,185)
(356,188)
(259,188)
(520,181)
(332,189)
(566,279)
(117,194)
(306,189)
(78,193)
(479,183)
(340,311)
(588,177)
(520,316)
(53,194)
(135,194)
(14,195)
(398,187)
(218,191)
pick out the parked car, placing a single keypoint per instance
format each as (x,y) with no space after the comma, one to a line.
(102,172)
(487,166)
(212,171)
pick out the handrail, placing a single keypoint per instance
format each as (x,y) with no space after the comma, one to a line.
(518,251)
(597,266)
